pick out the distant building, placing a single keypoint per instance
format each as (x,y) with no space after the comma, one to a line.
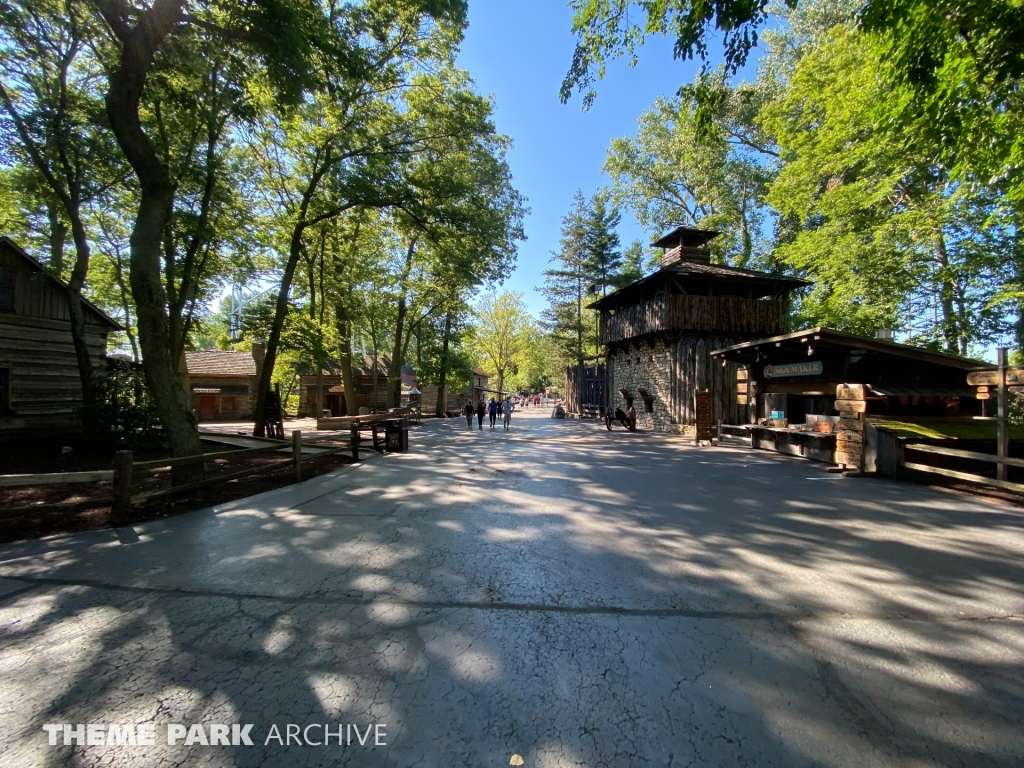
(222,385)
(40,387)
(335,399)
(477,388)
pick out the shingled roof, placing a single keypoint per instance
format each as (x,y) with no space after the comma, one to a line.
(216,362)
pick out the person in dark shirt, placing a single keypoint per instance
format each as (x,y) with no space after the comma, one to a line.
(481,409)
(492,410)
(469,415)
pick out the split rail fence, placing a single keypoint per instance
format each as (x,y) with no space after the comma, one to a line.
(127,472)
(956,453)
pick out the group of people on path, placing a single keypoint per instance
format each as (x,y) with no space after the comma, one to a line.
(493,408)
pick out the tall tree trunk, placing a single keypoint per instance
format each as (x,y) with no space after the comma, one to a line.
(295,247)
(274,341)
(343,323)
(58,238)
(397,356)
(946,294)
(76,311)
(442,380)
(139,44)
(1018,273)
(126,307)
(395,368)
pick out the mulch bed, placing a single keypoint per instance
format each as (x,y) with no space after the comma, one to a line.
(40,457)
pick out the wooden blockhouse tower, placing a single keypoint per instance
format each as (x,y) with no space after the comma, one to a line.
(659,332)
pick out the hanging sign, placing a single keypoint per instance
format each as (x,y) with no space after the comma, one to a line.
(794,369)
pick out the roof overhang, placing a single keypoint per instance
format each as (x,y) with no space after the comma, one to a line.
(688,237)
(823,338)
(722,273)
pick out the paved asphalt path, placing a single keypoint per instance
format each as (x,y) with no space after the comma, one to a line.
(575,597)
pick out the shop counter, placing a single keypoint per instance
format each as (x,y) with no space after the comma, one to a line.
(817,446)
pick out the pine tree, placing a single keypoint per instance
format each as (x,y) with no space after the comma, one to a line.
(602,259)
(565,287)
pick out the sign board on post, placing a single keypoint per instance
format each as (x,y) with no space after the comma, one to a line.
(850,438)
(991,378)
(851,406)
(702,406)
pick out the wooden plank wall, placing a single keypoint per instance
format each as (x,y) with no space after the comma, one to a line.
(428,400)
(35,343)
(692,368)
(35,294)
(584,389)
(721,314)
(45,388)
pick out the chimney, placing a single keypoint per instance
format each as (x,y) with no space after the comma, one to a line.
(686,244)
(259,355)
(884,334)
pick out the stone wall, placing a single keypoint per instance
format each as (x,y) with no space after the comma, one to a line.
(671,372)
(643,367)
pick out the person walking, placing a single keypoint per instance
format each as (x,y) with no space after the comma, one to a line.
(492,410)
(480,411)
(469,414)
(509,405)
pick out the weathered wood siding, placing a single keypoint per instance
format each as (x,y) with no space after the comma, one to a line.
(714,314)
(45,388)
(36,345)
(454,402)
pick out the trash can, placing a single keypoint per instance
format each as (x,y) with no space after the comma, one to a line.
(396,435)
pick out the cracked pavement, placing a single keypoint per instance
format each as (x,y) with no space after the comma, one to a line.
(576,597)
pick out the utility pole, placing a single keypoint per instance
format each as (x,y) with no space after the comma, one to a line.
(1002,449)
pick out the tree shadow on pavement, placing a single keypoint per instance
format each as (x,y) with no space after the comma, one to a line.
(583,601)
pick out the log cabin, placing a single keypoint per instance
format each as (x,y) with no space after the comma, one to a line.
(473,392)
(40,388)
(335,399)
(222,384)
(658,332)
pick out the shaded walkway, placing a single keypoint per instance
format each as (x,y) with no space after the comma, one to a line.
(578,597)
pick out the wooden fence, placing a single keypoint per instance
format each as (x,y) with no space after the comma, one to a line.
(956,453)
(127,472)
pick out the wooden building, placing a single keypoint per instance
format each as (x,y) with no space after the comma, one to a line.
(223,384)
(428,401)
(335,399)
(659,332)
(816,393)
(474,392)
(40,387)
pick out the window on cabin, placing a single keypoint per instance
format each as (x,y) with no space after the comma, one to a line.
(7,281)
(5,391)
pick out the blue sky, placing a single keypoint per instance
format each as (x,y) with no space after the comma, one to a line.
(518,53)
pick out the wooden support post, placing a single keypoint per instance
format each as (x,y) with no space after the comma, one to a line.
(354,431)
(297,453)
(123,470)
(1002,447)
